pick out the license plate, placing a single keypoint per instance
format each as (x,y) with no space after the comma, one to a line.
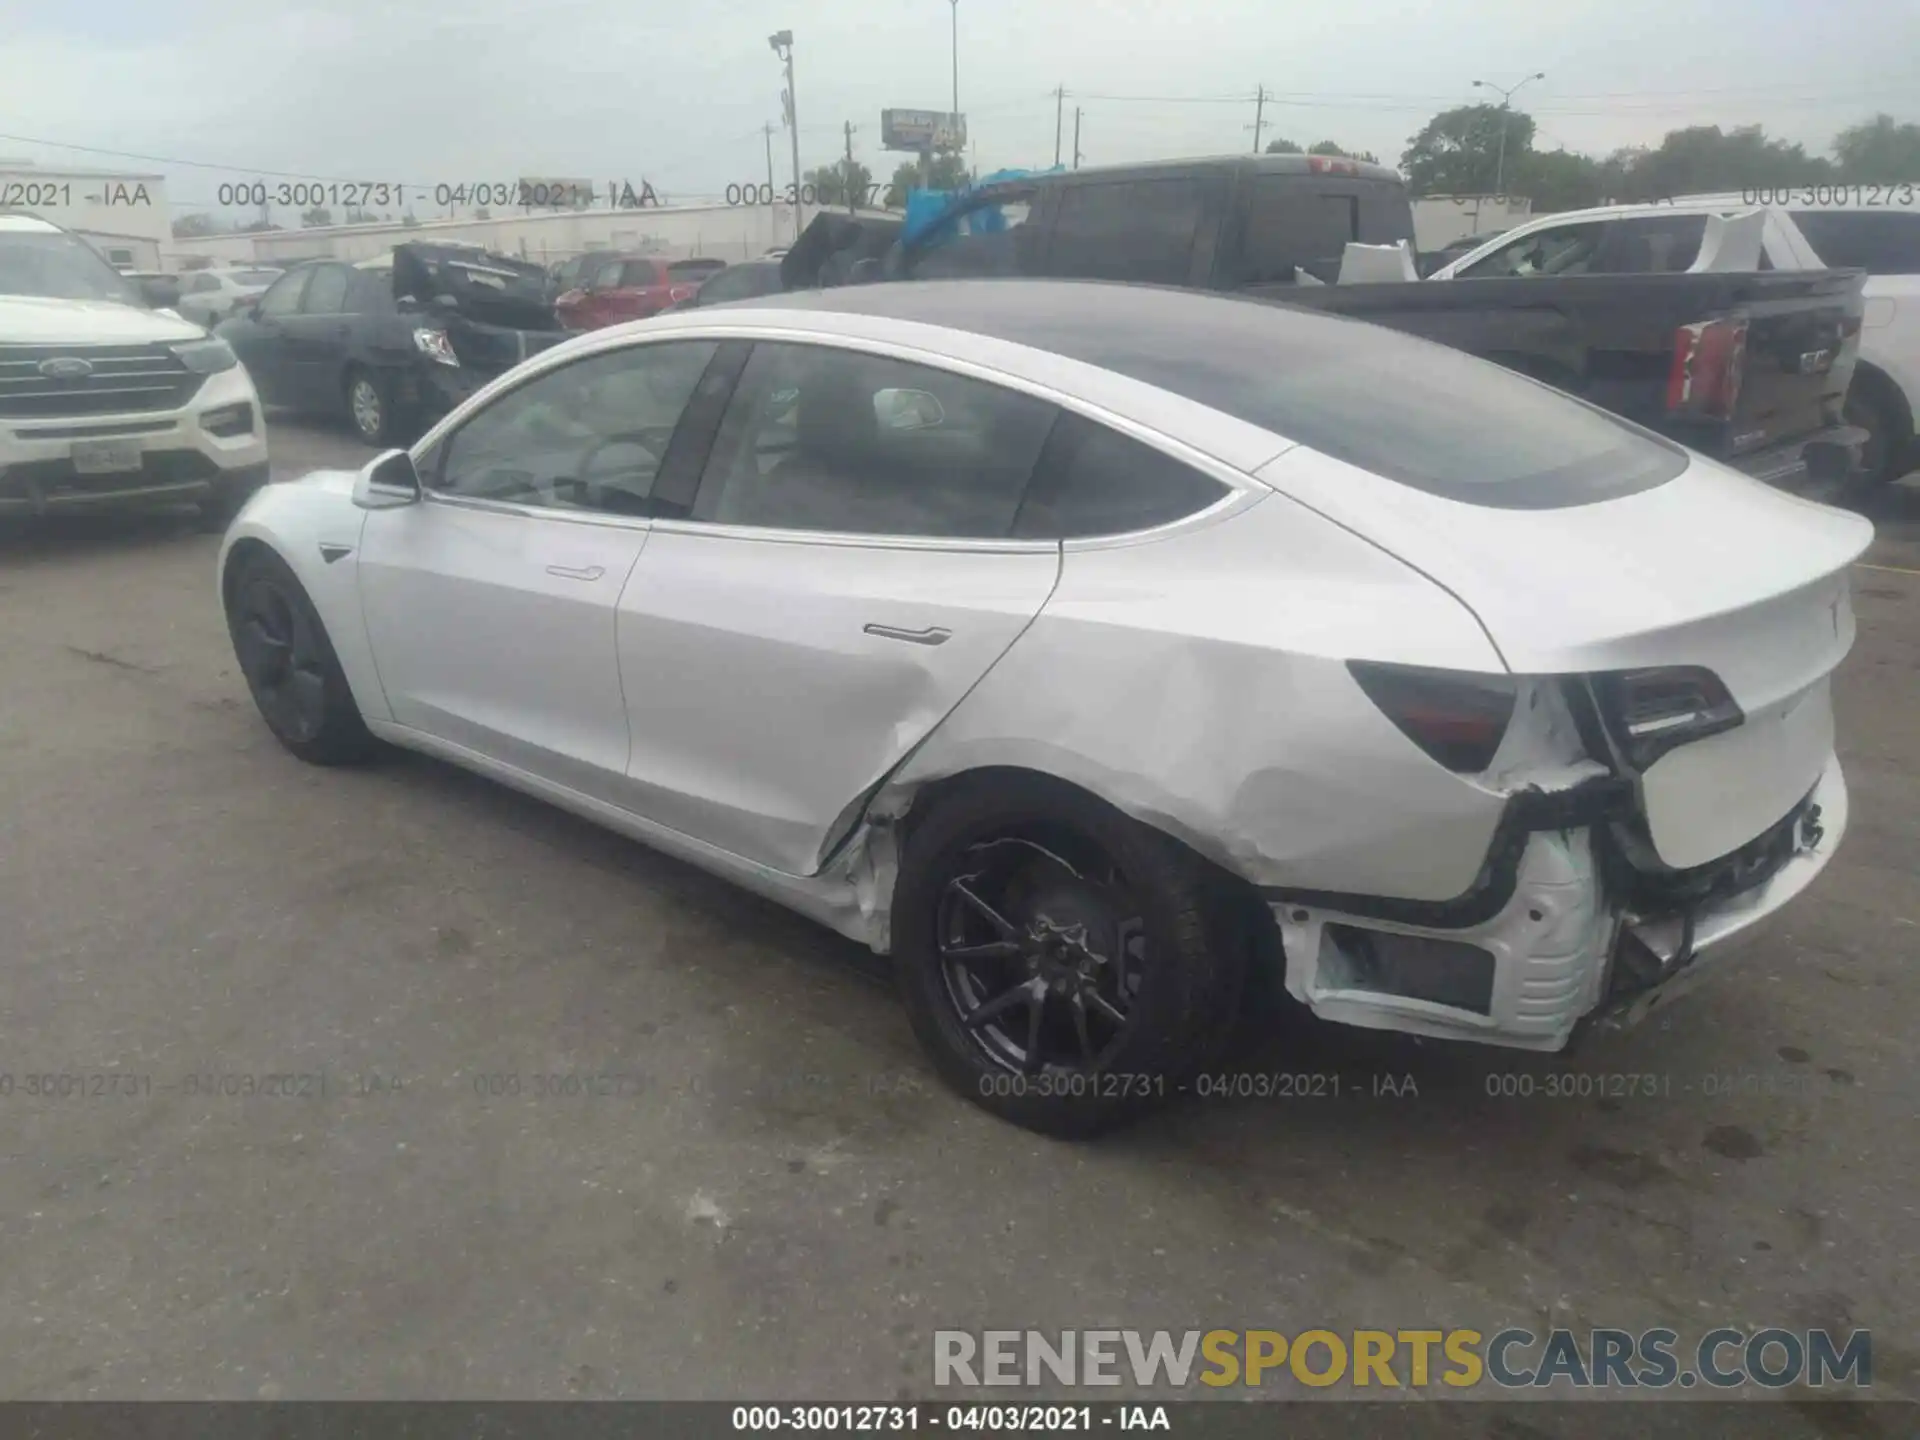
(105,457)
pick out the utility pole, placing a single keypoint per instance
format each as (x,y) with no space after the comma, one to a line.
(848,176)
(1259,115)
(956,60)
(772,194)
(782,43)
(1059,114)
(1506,106)
(1076,137)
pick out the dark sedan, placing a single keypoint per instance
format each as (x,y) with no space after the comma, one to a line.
(392,348)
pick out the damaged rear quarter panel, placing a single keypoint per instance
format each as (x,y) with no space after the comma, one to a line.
(1197,680)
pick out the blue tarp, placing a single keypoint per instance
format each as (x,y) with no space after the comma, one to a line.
(926,209)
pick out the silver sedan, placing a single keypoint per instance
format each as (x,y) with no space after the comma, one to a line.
(1083,647)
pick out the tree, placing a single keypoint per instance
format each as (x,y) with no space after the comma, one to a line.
(1704,158)
(1458,152)
(833,183)
(357,216)
(1879,151)
(189,227)
(1333,147)
(483,213)
(409,219)
(948,172)
(1283,147)
(319,215)
(1560,180)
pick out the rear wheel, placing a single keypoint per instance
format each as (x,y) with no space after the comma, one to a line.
(1055,956)
(290,665)
(1872,405)
(370,408)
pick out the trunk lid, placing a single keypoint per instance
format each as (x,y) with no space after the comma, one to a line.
(1710,570)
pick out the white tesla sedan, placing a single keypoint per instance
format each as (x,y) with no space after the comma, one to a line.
(1064,641)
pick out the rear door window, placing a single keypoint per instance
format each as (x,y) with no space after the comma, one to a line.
(638,274)
(1557,250)
(824,439)
(326,292)
(1655,245)
(1138,230)
(1884,242)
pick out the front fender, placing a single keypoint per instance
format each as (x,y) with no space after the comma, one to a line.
(314,526)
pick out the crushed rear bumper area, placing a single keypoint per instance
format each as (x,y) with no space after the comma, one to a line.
(1583,937)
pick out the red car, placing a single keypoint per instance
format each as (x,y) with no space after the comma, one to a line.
(623,287)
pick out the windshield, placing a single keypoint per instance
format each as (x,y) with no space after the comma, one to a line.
(58,267)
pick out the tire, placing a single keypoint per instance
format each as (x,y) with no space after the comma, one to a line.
(1078,898)
(370,408)
(1874,407)
(290,666)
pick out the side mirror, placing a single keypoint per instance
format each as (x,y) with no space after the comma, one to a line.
(161,292)
(387,482)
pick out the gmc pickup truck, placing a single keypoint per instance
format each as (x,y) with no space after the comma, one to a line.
(1747,368)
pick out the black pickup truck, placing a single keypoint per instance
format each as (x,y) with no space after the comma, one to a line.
(1749,368)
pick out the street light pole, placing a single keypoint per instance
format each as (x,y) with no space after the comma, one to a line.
(956,58)
(782,43)
(1506,105)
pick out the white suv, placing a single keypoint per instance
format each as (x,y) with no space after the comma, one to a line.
(1875,228)
(105,402)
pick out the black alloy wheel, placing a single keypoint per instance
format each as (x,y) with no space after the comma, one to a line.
(1041,962)
(1065,966)
(290,665)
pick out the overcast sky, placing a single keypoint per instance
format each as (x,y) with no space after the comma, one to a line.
(430,92)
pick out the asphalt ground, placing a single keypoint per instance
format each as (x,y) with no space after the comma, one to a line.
(771,1196)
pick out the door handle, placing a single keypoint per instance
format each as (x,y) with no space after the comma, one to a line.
(580,572)
(932,635)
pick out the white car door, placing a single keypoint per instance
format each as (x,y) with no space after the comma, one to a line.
(844,578)
(490,606)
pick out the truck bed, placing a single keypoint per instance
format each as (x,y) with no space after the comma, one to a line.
(1610,339)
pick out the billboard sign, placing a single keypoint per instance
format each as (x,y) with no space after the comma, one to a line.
(919,130)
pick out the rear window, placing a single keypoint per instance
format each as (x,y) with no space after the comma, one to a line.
(1139,230)
(1885,242)
(1432,418)
(1307,221)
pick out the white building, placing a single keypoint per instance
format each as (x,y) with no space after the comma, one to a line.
(724,232)
(124,214)
(1439,220)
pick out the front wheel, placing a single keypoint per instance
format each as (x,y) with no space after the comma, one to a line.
(1059,960)
(290,666)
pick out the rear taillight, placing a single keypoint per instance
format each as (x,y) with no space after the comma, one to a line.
(681,292)
(1457,717)
(1649,712)
(1708,360)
